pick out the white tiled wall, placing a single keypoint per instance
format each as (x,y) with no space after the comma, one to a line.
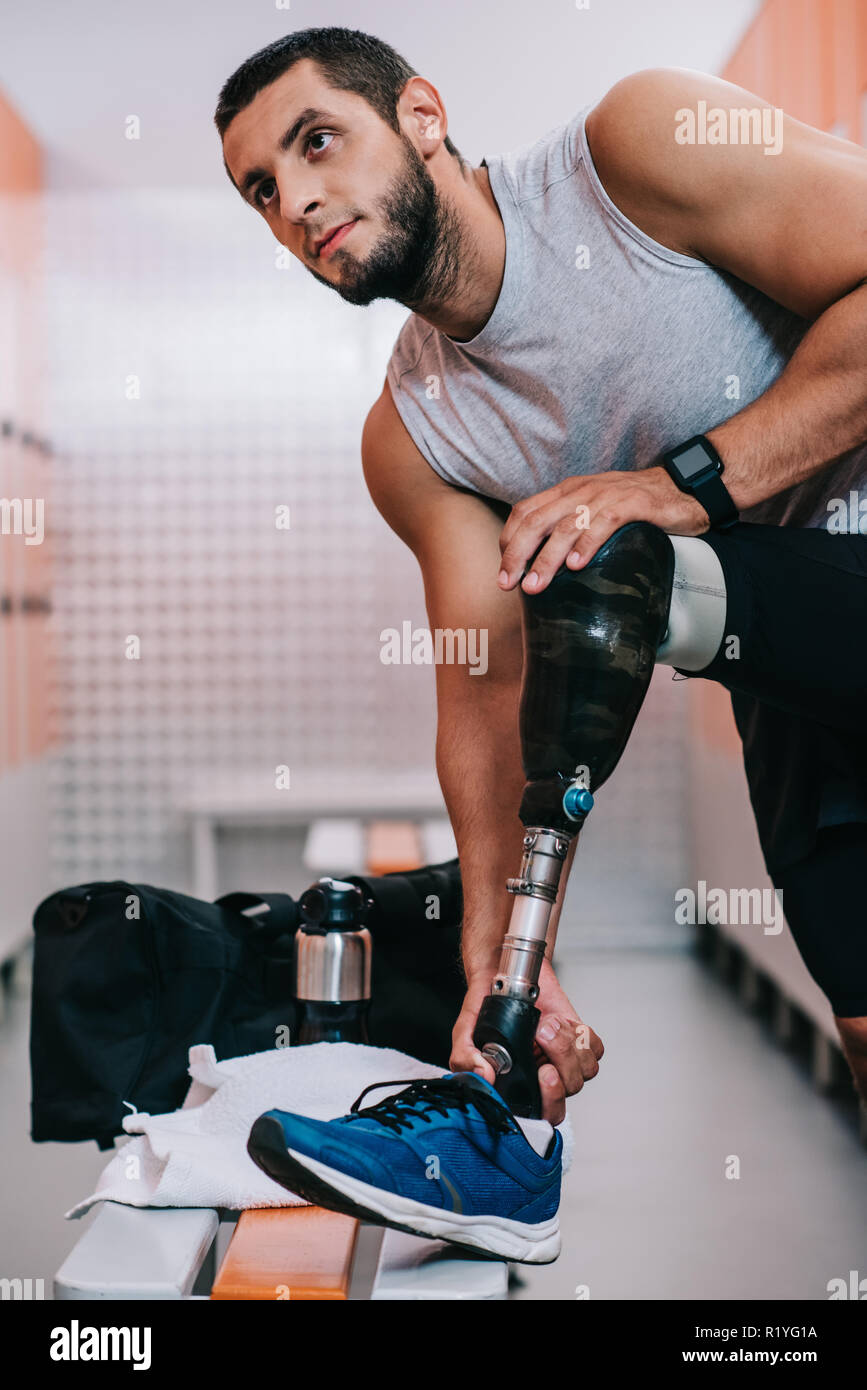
(259,646)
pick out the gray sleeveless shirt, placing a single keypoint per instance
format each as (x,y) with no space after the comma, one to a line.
(603,349)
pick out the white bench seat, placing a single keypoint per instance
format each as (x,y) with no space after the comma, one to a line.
(138,1253)
(160,1253)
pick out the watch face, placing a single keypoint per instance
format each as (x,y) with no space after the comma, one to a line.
(694,461)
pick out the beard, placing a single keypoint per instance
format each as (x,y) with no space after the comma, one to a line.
(415,261)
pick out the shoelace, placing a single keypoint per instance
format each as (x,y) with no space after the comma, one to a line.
(435,1094)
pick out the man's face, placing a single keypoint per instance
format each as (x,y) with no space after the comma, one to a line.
(344,165)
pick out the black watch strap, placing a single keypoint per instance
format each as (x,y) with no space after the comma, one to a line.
(705,484)
(714,496)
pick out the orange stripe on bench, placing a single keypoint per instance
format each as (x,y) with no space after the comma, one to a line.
(288,1253)
(392,847)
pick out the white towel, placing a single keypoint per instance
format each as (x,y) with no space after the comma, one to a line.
(197,1156)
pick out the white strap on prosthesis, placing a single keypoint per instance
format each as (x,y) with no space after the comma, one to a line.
(696,621)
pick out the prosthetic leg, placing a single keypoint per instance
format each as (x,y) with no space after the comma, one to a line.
(590,644)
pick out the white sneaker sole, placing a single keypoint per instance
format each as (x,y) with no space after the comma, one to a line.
(513,1240)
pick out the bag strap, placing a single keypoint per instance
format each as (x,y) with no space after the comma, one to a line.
(399,903)
(275,912)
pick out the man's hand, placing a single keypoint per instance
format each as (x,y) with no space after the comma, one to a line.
(568,1058)
(579,514)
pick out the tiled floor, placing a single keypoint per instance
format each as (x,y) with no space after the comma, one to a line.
(688,1080)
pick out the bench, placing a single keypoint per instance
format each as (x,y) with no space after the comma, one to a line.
(277,1253)
(303,1253)
(347,845)
(221,800)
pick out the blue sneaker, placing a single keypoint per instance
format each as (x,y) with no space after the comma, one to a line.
(444,1158)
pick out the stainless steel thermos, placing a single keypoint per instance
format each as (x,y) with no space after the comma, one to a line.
(332,963)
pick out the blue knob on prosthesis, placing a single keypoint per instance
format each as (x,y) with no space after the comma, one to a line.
(577,802)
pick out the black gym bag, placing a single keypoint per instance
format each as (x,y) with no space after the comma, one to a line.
(127,977)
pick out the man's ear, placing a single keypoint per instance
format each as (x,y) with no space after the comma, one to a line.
(421,101)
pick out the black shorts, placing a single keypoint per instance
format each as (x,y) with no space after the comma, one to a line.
(797,672)
(823,900)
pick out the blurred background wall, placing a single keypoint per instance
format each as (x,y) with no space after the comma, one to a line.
(27,675)
(192,380)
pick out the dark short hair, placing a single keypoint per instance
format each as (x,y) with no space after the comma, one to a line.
(349,60)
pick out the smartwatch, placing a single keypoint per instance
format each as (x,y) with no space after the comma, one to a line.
(696,468)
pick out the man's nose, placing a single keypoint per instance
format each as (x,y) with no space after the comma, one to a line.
(298,204)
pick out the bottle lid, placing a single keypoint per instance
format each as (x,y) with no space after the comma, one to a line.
(332,903)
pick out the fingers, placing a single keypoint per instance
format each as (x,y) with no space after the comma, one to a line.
(553,1095)
(573,1052)
(465,1056)
(602,525)
(575,531)
(588,1049)
(529,523)
(586,1038)
(526,507)
(560,545)
(556,1038)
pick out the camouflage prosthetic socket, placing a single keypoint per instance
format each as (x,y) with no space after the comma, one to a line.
(590,642)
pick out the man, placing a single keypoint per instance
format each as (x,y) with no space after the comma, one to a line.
(579,308)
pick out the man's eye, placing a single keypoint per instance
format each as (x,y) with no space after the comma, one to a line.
(263,184)
(318,135)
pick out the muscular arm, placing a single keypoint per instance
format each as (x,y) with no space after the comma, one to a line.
(792,223)
(454,535)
